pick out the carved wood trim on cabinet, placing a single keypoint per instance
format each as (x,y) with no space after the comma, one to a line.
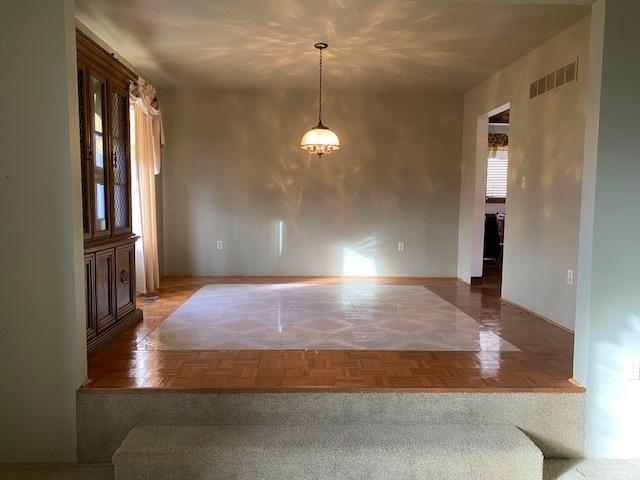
(100,59)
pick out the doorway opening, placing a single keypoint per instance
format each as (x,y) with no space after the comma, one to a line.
(495,198)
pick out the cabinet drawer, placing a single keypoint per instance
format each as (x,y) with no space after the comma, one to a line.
(125,279)
(105,289)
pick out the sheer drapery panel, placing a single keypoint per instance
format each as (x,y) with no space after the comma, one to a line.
(147,139)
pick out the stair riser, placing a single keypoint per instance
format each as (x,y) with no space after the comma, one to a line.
(554,421)
(383,467)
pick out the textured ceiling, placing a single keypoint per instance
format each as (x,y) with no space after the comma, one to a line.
(373,44)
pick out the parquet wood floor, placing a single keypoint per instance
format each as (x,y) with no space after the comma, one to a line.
(543,364)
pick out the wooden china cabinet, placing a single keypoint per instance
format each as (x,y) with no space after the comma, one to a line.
(109,244)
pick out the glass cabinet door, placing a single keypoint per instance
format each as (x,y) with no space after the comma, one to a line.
(101,224)
(119,121)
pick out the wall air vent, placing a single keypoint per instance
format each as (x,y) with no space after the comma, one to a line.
(566,74)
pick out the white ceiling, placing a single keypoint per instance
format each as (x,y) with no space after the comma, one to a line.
(373,44)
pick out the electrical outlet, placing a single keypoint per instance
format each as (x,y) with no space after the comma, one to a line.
(570,277)
(523,183)
(633,368)
(401,246)
(219,244)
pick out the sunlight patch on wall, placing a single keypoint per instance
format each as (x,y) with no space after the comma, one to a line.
(279,236)
(616,396)
(359,259)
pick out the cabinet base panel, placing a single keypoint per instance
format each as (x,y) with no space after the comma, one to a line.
(110,335)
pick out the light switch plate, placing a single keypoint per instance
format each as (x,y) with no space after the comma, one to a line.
(219,244)
(570,277)
(401,246)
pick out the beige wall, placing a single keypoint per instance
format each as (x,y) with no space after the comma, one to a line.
(546,137)
(42,345)
(233,171)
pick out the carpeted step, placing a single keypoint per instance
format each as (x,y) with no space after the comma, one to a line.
(555,422)
(332,452)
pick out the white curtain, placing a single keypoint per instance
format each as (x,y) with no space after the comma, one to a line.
(147,138)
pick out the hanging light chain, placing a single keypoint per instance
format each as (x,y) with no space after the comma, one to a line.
(320,92)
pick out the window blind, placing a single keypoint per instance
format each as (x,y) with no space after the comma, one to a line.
(497,164)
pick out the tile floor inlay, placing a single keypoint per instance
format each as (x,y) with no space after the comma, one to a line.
(299,316)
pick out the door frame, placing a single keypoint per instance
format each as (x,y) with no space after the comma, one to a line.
(480,191)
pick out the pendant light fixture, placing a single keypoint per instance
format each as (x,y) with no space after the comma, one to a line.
(320,140)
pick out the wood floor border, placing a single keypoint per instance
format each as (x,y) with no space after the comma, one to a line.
(573,381)
(577,388)
(535,314)
(543,364)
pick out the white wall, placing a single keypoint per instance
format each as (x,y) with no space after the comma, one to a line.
(546,137)
(608,321)
(494,207)
(42,345)
(233,170)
